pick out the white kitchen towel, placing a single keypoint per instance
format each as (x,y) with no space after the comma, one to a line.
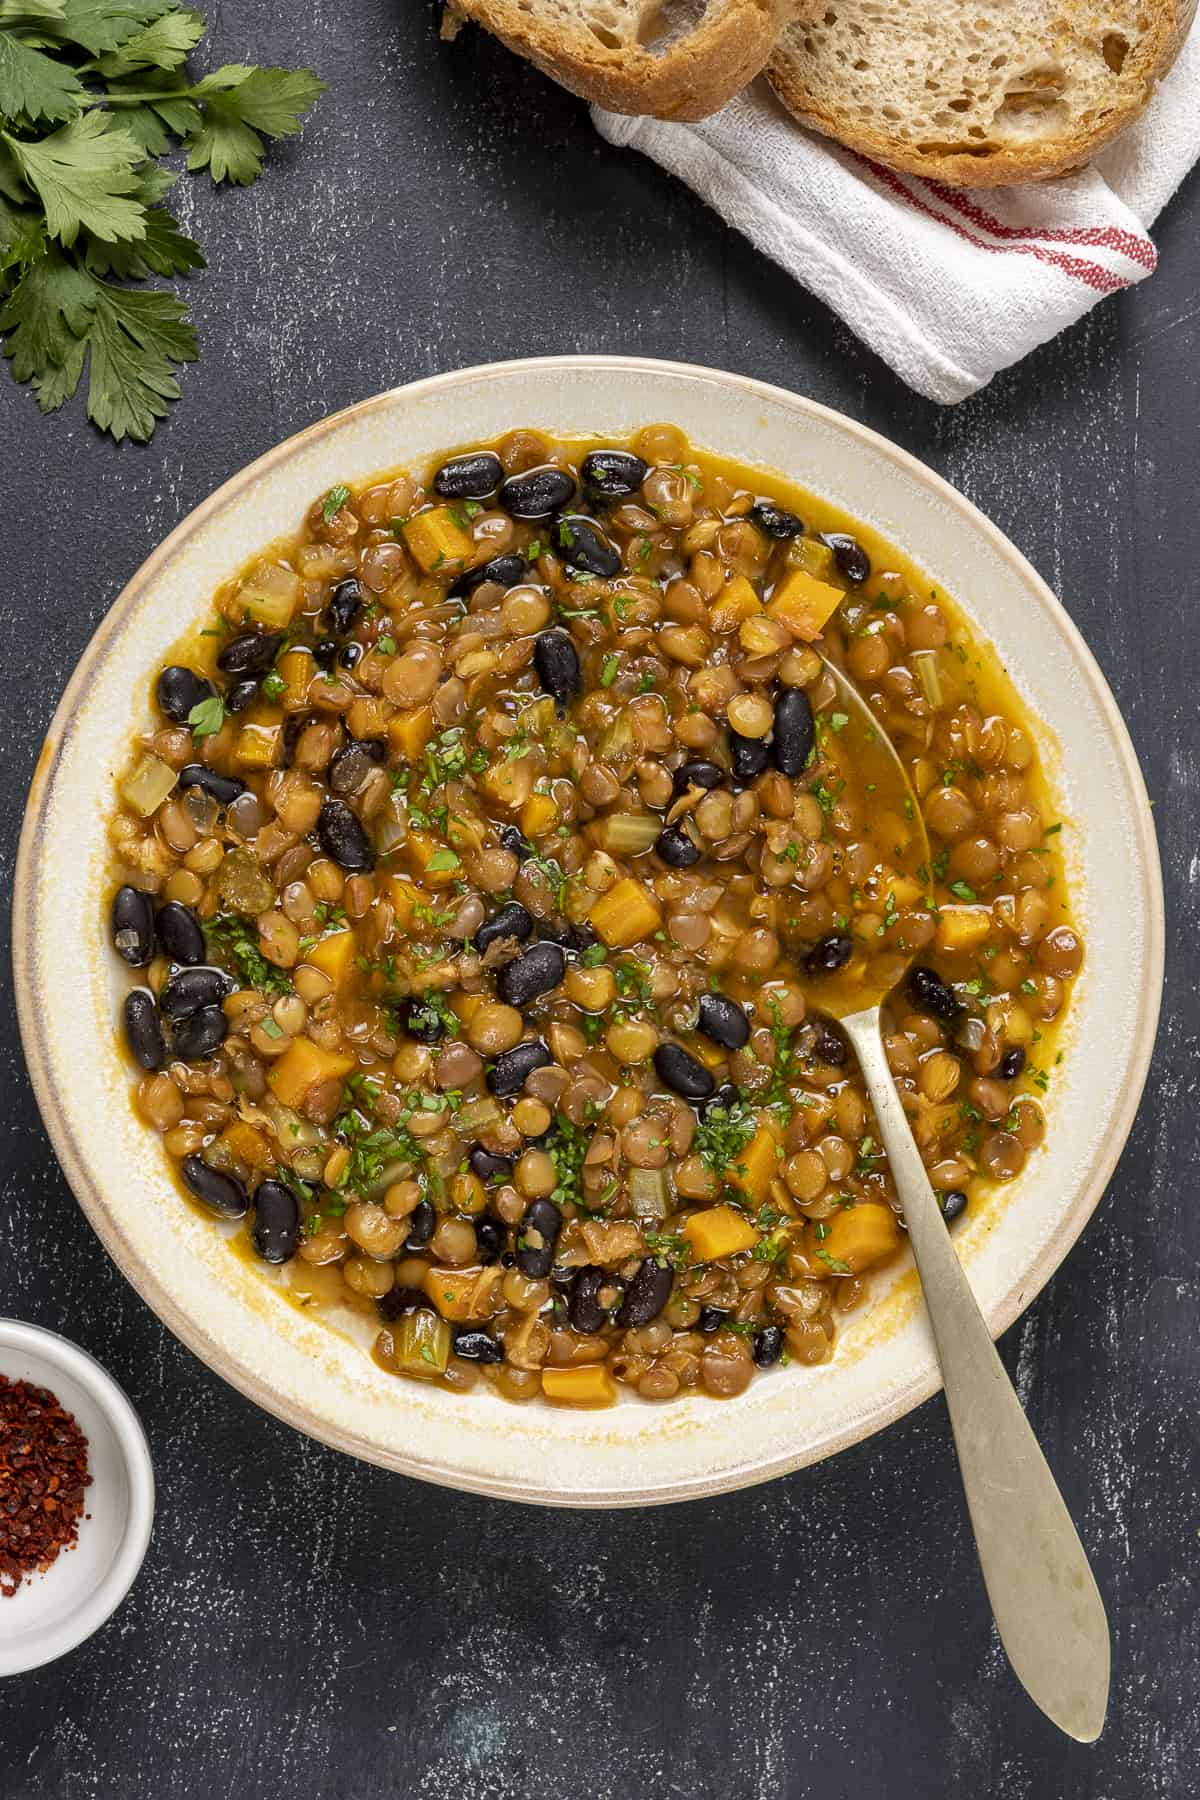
(949,285)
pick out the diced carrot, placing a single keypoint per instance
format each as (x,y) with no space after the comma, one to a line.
(588,1384)
(538,814)
(803,604)
(754,1168)
(436,864)
(409,732)
(258,746)
(303,1067)
(719,1231)
(333,955)
(437,541)
(736,601)
(625,915)
(963,927)
(405,897)
(296,669)
(856,1237)
(462,1294)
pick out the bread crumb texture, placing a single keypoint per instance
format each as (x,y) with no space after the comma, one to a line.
(986,93)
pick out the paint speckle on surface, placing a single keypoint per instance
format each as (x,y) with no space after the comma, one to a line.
(308,1627)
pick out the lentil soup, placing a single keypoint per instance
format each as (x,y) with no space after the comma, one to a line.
(481,876)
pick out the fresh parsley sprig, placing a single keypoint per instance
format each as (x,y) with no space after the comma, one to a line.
(92,94)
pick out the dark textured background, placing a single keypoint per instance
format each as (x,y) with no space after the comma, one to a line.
(309,1628)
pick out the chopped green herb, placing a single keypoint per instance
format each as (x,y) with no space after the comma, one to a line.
(334,501)
(207,716)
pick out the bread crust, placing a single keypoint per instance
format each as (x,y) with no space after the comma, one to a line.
(689,80)
(1152,56)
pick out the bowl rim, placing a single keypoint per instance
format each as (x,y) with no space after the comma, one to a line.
(129,1435)
(999,1315)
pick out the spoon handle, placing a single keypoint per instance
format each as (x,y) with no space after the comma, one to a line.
(1044,1598)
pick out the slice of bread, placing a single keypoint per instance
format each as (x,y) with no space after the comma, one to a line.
(979,93)
(675,59)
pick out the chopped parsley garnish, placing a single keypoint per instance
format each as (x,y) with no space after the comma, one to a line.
(722,1134)
(334,501)
(207,716)
(233,941)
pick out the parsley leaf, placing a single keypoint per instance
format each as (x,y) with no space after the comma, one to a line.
(241,107)
(34,85)
(207,716)
(83,174)
(334,501)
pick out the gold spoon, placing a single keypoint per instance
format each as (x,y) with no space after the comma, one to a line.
(1044,1598)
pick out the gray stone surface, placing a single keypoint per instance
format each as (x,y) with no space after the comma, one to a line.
(311,1628)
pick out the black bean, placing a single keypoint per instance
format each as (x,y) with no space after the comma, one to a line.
(646,1294)
(676,848)
(537,493)
(242,694)
(350,655)
(350,766)
(1011,1063)
(711,1318)
(477,1346)
(768,1345)
(422,1222)
(537,1234)
(698,773)
(833,952)
(250,654)
(191,989)
(953,1203)
(512,921)
(344,604)
(510,1071)
(560,931)
(422,1020)
(488,1165)
(723,1020)
(776,521)
(221,1193)
(491,1235)
(201,1034)
(829,1048)
(613,474)
(276,1229)
(512,840)
(325,653)
(723,1099)
(293,725)
(795,733)
(143,1029)
(224,789)
(343,838)
(929,993)
(585,1311)
(398,1301)
(531,975)
(178,690)
(748,756)
(507,571)
(851,558)
(180,934)
(682,1073)
(473,476)
(582,545)
(557,662)
(133,926)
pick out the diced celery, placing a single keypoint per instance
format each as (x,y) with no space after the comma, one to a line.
(476,1117)
(422,1345)
(628,834)
(929,675)
(617,737)
(270,595)
(649,1196)
(147,786)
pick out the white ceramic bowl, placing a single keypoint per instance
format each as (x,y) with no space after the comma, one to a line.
(54,1612)
(296,1366)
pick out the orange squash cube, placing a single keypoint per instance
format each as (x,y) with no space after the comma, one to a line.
(803,604)
(437,541)
(736,601)
(963,927)
(625,915)
(302,1068)
(436,864)
(334,956)
(856,1237)
(588,1384)
(464,1294)
(755,1167)
(405,897)
(409,732)
(538,814)
(719,1231)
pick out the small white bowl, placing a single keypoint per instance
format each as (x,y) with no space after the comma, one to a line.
(53,1613)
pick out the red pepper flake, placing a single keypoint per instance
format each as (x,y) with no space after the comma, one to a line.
(43,1473)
